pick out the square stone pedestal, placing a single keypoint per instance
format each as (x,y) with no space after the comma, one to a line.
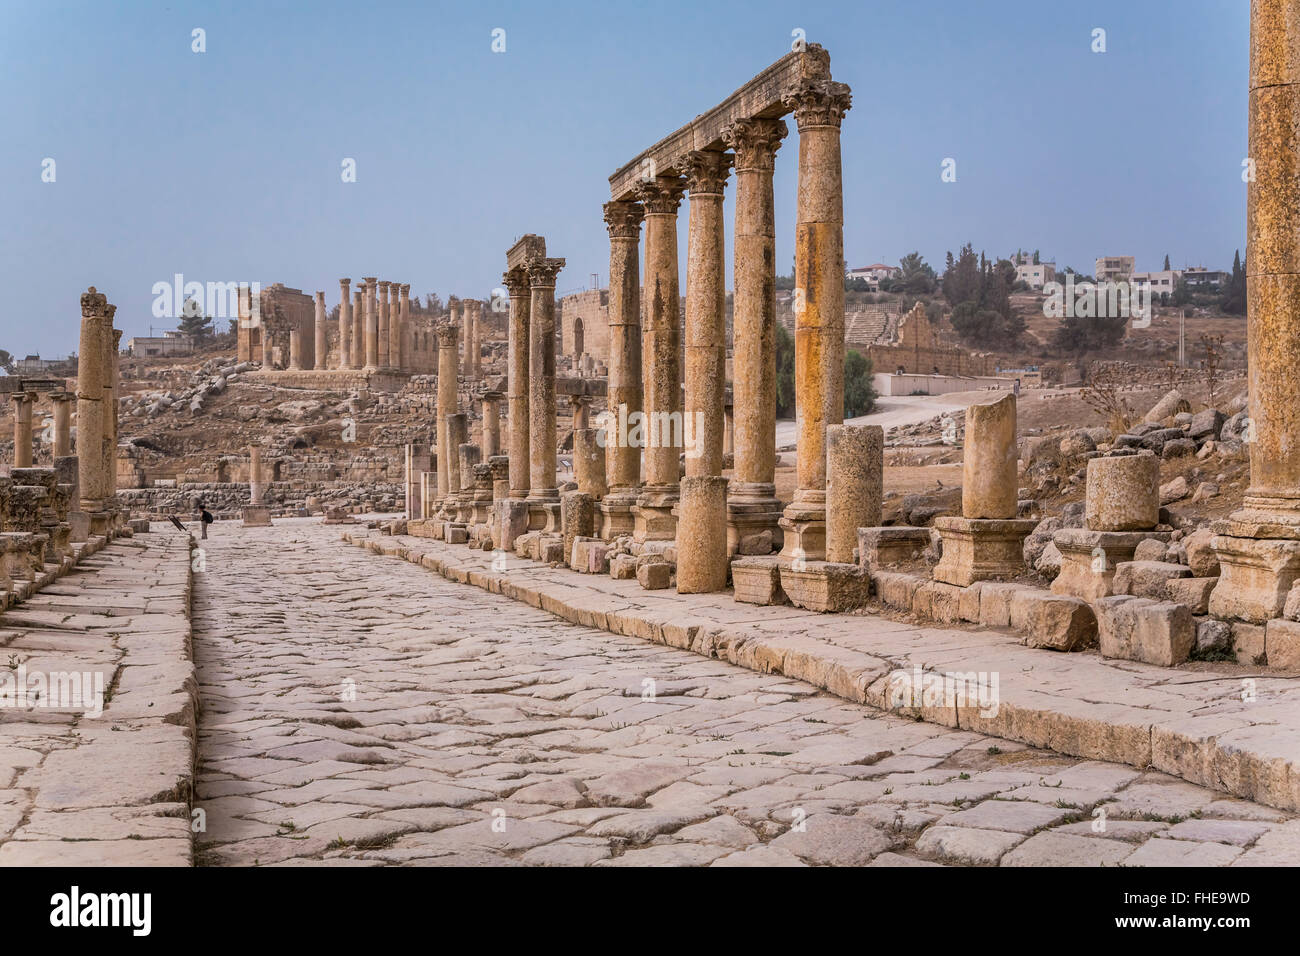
(826,585)
(981,549)
(1254,577)
(757,580)
(257,517)
(616,517)
(1089,559)
(895,544)
(512,521)
(544,516)
(753,524)
(803,526)
(653,514)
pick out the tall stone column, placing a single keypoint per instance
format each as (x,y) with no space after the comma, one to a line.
(516,281)
(661,371)
(819,105)
(466,338)
(62,424)
(706,315)
(543,492)
(400,351)
(114,377)
(295,350)
(321,343)
(491,424)
(447,401)
(93,372)
(357,358)
(372,325)
(753,511)
(1259,545)
(255,484)
(622,457)
(384,329)
(345,324)
(23,402)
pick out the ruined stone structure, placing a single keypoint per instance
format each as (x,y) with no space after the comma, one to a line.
(918,350)
(584,325)
(265,325)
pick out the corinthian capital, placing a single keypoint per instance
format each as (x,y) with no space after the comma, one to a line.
(818,101)
(661,195)
(623,219)
(516,282)
(755,142)
(93,303)
(447,336)
(542,272)
(707,171)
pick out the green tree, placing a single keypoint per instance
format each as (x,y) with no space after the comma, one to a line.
(1233,301)
(961,276)
(917,277)
(859,390)
(194,323)
(1166,262)
(784,372)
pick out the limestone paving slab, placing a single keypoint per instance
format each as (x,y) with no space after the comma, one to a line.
(510,737)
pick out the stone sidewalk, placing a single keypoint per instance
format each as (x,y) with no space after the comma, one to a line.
(1236,730)
(112,789)
(366,713)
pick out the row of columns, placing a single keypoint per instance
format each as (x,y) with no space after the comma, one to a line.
(24,403)
(644,373)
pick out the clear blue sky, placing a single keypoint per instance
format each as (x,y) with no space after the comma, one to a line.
(225,165)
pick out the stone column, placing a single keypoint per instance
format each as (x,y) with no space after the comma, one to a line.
(706,314)
(589,463)
(384,330)
(111,420)
(987,541)
(622,458)
(94,370)
(543,492)
(855,470)
(462,319)
(321,343)
(468,455)
(62,424)
(456,428)
(23,402)
(372,325)
(702,535)
(447,399)
(357,359)
(753,510)
(345,324)
(1259,545)
(661,370)
(580,411)
(491,424)
(295,350)
(255,485)
(819,105)
(500,493)
(476,338)
(400,351)
(517,380)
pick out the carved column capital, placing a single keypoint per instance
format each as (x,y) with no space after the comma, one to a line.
(661,195)
(516,282)
(447,336)
(623,219)
(93,304)
(818,101)
(707,171)
(542,272)
(755,142)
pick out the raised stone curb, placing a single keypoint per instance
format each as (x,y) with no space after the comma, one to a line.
(112,789)
(1192,724)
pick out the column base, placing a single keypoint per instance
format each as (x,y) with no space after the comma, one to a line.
(826,586)
(511,522)
(894,544)
(1089,558)
(981,549)
(653,513)
(257,517)
(803,524)
(616,517)
(544,511)
(753,521)
(757,580)
(1257,568)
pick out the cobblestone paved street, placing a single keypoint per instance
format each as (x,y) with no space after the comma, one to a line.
(358,710)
